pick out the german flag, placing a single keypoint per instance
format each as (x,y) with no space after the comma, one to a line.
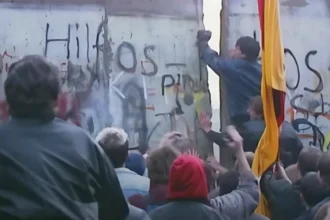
(272,91)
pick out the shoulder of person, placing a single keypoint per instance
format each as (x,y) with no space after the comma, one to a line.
(137,214)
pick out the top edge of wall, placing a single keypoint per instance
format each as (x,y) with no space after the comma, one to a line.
(188,9)
(287,7)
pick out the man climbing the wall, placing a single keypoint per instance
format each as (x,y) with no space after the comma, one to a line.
(240,73)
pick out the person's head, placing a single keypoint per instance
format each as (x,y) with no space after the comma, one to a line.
(114,142)
(247,48)
(323,213)
(183,144)
(312,190)
(159,162)
(308,160)
(227,182)
(324,168)
(187,179)
(32,87)
(136,163)
(255,108)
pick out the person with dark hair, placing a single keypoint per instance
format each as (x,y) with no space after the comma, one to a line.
(50,169)
(241,70)
(324,174)
(242,202)
(308,161)
(252,130)
(323,213)
(114,142)
(136,163)
(187,193)
(311,189)
(227,183)
(314,194)
(159,162)
(323,167)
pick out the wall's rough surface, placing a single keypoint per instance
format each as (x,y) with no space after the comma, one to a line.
(122,64)
(305,32)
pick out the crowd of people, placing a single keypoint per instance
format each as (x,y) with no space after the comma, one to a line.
(51,169)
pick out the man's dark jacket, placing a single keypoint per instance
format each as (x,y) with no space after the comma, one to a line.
(192,210)
(242,79)
(284,201)
(136,214)
(54,170)
(290,144)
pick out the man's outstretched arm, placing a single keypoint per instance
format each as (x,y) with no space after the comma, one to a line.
(217,63)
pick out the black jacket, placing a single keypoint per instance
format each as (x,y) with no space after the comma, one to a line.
(55,170)
(178,210)
(283,200)
(311,213)
(290,144)
(136,214)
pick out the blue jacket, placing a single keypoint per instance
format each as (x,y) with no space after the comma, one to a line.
(242,79)
(131,183)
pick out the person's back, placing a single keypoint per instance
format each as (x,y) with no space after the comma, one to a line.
(251,131)
(187,193)
(241,73)
(50,169)
(46,170)
(257,217)
(114,141)
(136,214)
(242,80)
(186,210)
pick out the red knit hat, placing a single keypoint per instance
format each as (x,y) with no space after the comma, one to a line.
(187,179)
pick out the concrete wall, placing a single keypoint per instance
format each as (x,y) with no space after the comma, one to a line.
(129,64)
(306,36)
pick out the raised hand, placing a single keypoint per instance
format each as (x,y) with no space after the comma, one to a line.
(205,122)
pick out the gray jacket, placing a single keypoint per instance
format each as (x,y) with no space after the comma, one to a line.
(136,214)
(242,202)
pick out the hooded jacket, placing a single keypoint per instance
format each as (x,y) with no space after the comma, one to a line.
(187,193)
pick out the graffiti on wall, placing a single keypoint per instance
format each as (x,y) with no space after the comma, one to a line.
(309,111)
(307,108)
(106,83)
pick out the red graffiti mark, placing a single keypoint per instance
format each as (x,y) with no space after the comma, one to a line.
(68,108)
(5,54)
(291,113)
(7,64)
(4,115)
(150,107)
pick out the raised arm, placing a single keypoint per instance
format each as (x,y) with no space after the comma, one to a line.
(218,64)
(243,201)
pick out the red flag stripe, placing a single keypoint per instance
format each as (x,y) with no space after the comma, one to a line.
(261,7)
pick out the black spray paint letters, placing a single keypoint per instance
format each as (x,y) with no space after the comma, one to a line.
(295,86)
(131,48)
(132,69)
(319,87)
(134,109)
(289,52)
(67,40)
(146,54)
